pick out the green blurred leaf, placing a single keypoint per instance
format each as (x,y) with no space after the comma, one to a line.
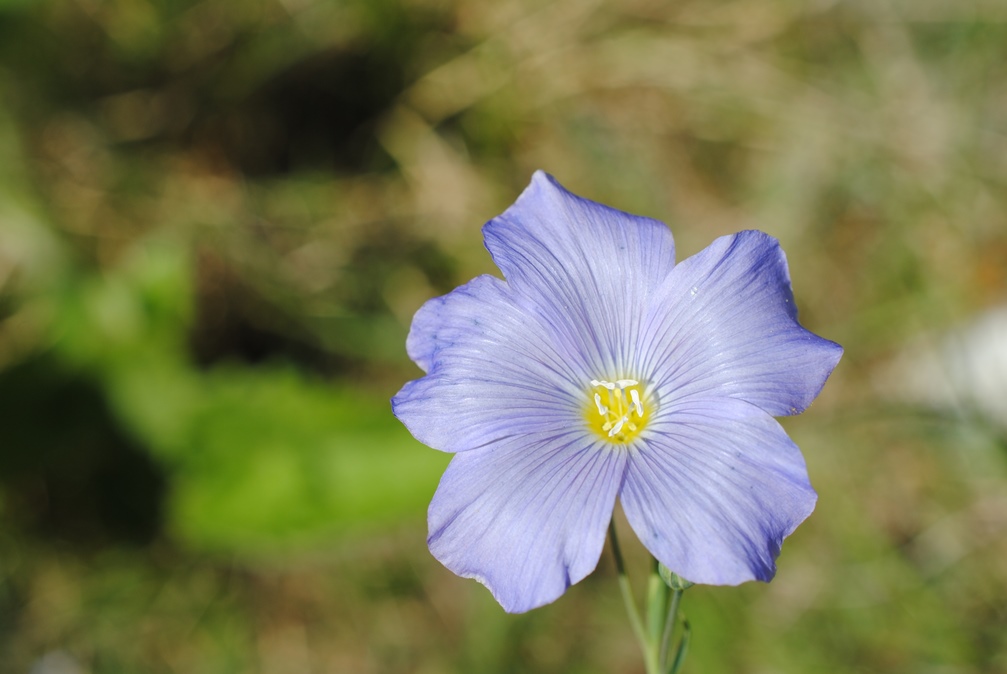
(273,458)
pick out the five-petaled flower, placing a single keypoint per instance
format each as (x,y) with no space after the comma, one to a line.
(600,369)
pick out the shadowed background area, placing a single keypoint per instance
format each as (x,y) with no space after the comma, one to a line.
(217,218)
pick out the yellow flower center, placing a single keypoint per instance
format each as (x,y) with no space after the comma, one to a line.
(615,410)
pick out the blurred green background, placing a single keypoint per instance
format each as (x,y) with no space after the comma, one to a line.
(218,216)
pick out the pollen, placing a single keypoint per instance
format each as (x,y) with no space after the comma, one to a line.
(615,409)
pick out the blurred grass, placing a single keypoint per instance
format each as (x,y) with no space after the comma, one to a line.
(216,221)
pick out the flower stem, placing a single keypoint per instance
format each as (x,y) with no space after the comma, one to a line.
(657,614)
(649,654)
(669,627)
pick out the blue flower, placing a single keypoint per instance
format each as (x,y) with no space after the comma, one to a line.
(600,369)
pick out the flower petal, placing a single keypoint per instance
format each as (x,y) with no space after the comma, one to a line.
(526,516)
(443,321)
(585,266)
(713,492)
(493,371)
(724,323)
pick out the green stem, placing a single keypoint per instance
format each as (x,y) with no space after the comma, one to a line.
(657,607)
(669,628)
(683,647)
(649,654)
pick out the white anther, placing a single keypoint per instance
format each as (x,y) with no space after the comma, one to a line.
(601,382)
(617,427)
(623,383)
(635,396)
(602,410)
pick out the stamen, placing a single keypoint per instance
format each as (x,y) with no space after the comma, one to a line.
(617,427)
(613,417)
(602,410)
(635,395)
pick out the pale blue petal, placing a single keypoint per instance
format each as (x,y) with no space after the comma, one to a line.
(445,321)
(714,488)
(724,324)
(493,371)
(526,516)
(586,268)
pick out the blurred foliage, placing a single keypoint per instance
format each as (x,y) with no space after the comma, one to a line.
(217,218)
